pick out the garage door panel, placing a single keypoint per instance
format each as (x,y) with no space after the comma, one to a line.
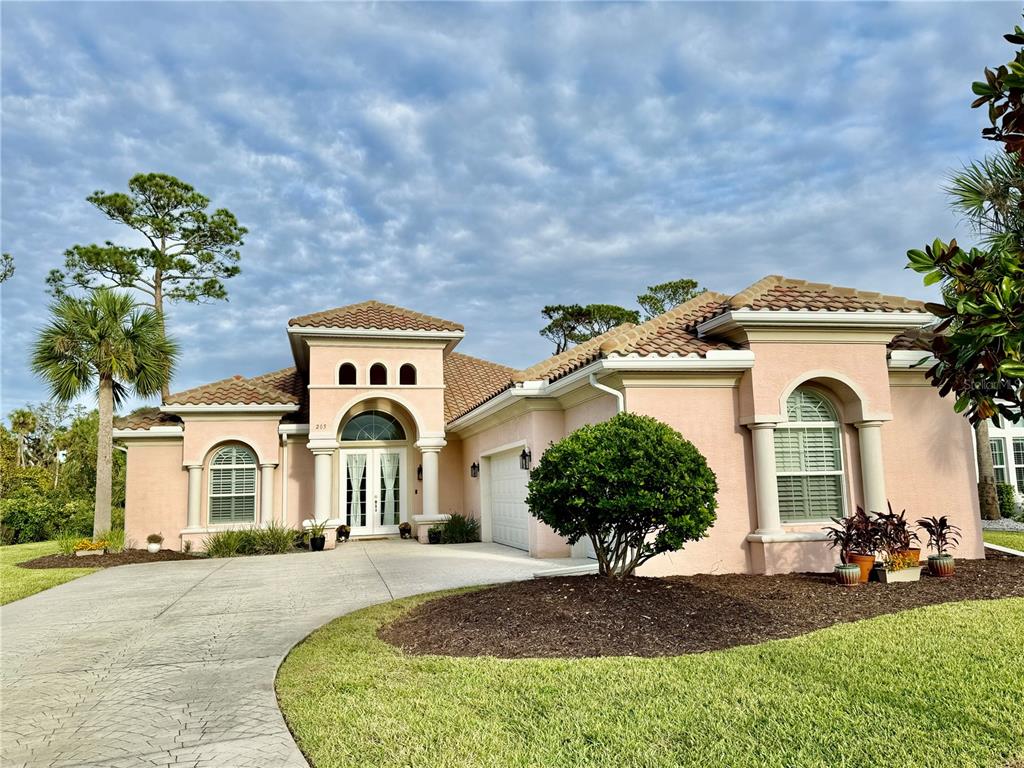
(509,514)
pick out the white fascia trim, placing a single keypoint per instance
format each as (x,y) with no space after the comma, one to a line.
(293,429)
(120,434)
(304,330)
(908,359)
(820,318)
(231,408)
(716,360)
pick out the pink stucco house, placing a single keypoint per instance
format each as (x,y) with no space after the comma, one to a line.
(805,398)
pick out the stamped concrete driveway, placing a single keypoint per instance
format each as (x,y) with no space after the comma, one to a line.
(173,663)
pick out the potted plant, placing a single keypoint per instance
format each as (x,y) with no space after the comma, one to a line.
(153,542)
(434,534)
(90,547)
(941,536)
(315,533)
(900,561)
(343,533)
(405,531)
(897,535)
(847,574)
(856,537)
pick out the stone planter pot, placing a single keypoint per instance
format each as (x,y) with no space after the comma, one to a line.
(316,543)
(89,552)
(904,574)
(864,562)
(847,575)
(943,566)
(153,547)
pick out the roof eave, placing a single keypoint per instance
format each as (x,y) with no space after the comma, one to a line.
(748,319)
(186,408)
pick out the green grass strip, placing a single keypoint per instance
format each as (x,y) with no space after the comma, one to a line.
(16,583)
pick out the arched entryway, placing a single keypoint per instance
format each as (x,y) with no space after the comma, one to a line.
(373,472)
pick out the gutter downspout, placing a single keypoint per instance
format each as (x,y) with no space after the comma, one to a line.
(614,392)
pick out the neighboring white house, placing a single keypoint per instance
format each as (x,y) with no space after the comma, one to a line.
(1008,454)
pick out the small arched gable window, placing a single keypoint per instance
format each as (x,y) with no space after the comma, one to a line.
(347,374)
(373,425)
(378,374)
(407,374)
(809,459)
(233,486)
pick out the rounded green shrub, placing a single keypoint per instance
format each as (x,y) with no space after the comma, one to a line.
(631,485)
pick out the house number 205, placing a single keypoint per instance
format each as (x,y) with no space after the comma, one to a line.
(319,427)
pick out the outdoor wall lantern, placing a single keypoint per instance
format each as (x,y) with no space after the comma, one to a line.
(524,459)
(419,473)
(474,470)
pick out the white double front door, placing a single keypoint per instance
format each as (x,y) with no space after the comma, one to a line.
(373,489)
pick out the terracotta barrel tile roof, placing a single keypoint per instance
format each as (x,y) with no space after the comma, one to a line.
(374,315)
(144,418)
(470,381)
(239,390)
(778,292)
(672,333)
(573,358)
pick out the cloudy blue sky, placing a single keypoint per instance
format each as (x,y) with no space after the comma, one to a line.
(479,161)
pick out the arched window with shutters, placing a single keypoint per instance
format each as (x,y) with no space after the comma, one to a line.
(347,374)
(232,486)
(809,459)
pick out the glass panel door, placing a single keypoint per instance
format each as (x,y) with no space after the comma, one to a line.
(373,490)
(390,499)
(356,466)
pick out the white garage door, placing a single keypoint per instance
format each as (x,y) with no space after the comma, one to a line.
(509,515)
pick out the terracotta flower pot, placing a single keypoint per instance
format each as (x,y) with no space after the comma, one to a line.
(915,552)
(847,575)
(943,566)
(864,562)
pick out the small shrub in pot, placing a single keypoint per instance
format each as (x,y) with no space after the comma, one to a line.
(941,536)
(434,534)
(153,542)
(847,574)
(315,534)
(405,530)
(857,538)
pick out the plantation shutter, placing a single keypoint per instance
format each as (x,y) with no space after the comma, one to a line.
(998,458)
(809,460)
(232,486)
(1018,459)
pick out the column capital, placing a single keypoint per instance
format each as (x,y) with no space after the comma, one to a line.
(872,424)
(321,452)
(268,465)
(753,427)
(193,466)
(431,444)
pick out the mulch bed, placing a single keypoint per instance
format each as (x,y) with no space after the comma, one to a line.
(591,616)
(127,557)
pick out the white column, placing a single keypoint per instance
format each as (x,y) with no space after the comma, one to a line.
(872,469)
(267,493)
(429,456)
(323,460)
(195,494)
(430,447)
(765,482)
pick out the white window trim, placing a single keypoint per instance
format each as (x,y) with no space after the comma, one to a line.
(840,472)
(255,466)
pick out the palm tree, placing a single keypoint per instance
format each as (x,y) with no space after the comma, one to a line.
(23,424)
(103,343)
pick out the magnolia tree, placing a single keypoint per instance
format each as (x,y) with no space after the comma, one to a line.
(632,486)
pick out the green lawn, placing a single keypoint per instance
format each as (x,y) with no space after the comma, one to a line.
(16,583)
(933,687)
(1011,539)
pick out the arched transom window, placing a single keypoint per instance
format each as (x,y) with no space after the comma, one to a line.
(809,459)
(233,485)
(373,425)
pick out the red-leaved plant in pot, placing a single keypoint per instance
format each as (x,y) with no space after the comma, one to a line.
(941,536)
(856,537)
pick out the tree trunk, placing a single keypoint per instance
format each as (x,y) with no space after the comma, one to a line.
(21,450)
(104,458)
(988,498)
(158,307)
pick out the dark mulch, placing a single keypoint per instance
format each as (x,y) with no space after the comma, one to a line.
(127,557)
(590,616)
